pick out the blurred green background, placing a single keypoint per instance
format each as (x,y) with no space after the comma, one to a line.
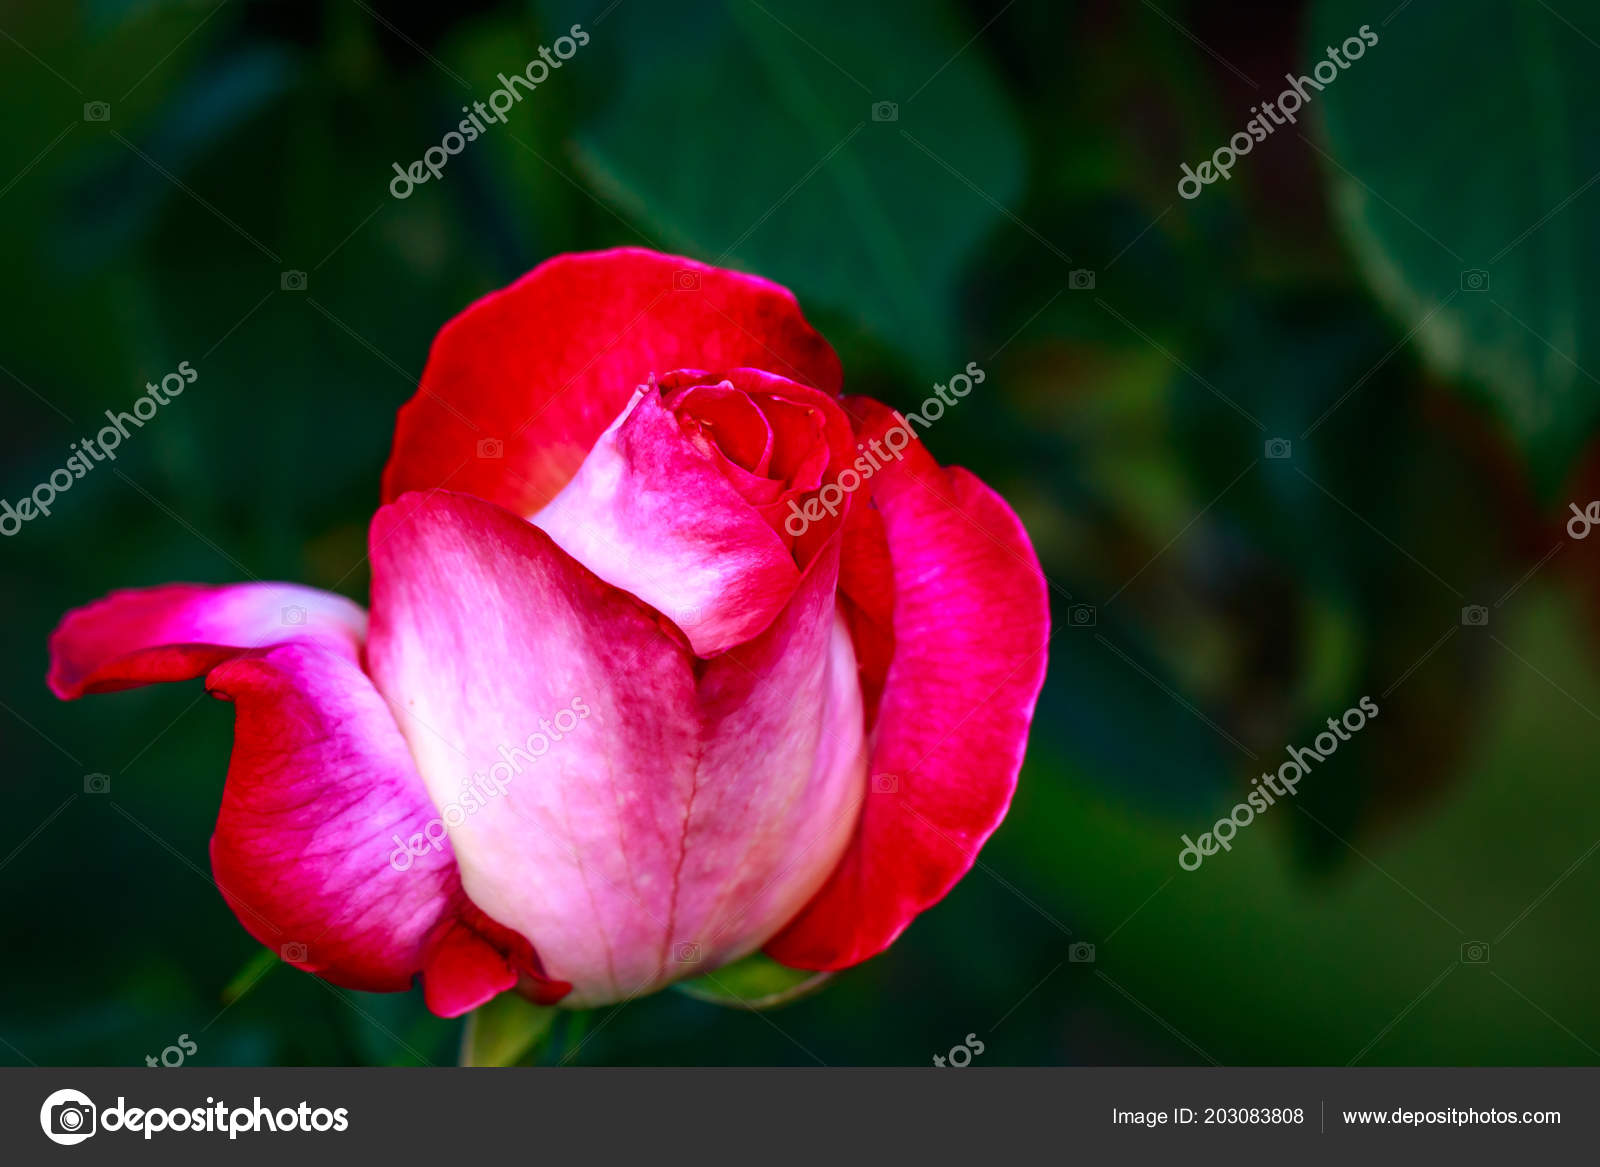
(1439,424)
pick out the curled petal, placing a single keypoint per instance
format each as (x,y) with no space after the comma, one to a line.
(180,631)
(650,514)
(805,438)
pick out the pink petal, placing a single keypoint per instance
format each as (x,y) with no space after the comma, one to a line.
(179,631)
(319,786)
(678,813)
(971,620)
(653,515)
(322,847)
(545,365)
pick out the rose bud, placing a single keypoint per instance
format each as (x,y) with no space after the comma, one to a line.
(674,654)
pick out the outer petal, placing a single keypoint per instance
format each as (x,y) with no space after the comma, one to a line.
(652,515)
(543,366)
(971,620)
(322,796)
(689,813)
(320,788)
(179,631)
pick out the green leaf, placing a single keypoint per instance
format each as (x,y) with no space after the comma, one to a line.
(756,982)
(795,179)
(504,1031)
(1463,142)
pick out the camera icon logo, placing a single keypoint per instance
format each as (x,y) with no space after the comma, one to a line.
(97,111)
(1082,616)
(97,783)
(1279,448)
(292,281)
(67,1117)
(886,784)
(1475,616)
(687,615)
(490,448)
(684,280)
(1081,280)
(293,614)
(1474,279)
(1081,953)
(686,953)
(293,952)
(885,111)
(1475,952)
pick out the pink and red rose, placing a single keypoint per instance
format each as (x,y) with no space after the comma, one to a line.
(661,730)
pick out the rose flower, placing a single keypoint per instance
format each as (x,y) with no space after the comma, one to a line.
(616,716)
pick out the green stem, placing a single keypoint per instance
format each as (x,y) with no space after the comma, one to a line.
(576,1028)
(506,1031)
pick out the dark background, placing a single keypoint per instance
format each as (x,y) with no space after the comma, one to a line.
(1235,601)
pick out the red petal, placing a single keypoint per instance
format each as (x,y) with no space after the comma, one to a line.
(970,624)
(471,959)
(462,970)
(543,366)
(866,595)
